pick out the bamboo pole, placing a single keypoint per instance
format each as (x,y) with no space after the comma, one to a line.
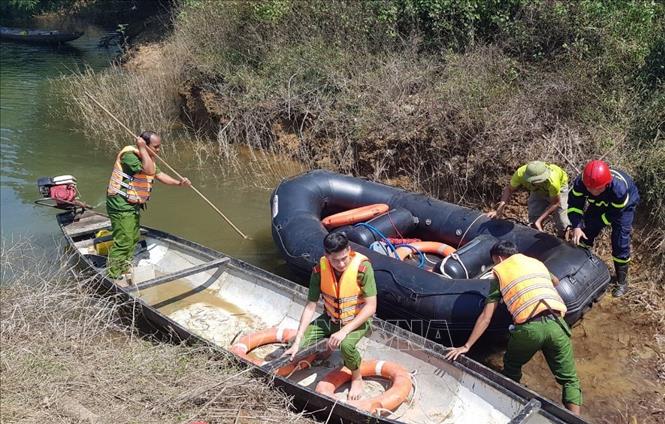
(169,167)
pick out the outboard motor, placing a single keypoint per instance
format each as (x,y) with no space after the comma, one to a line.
(470,261)
(59,192)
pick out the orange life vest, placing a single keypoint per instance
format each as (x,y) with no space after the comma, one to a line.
(342,299)
(135,188)
(526,288)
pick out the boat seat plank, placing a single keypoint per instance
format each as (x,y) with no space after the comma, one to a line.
(532,407)
(179,274)
(88,225)
(109,237)
(214,277)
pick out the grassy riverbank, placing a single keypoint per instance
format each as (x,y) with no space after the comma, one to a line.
(444,97)
(68,357)
(440,96)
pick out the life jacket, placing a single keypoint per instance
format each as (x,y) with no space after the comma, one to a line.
(526,288)
(342,299)
(135,188)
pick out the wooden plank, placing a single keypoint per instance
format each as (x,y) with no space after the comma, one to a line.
(88,225)
(178,274)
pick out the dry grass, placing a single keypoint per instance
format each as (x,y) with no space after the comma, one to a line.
(144,97)
(67,357)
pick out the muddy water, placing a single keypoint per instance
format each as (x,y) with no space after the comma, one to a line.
(37,140)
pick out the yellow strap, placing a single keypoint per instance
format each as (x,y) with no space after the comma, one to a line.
(620,261)
(621,205)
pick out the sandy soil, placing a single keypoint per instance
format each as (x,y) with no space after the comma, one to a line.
(617,353)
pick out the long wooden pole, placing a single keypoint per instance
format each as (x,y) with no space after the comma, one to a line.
(169,167)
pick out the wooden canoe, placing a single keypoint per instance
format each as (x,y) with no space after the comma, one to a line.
(38,36)
(194,293)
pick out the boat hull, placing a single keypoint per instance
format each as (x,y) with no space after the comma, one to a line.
(278,300)
(410,296)
(38,36)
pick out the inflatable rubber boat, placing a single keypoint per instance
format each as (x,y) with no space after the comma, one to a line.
(435,278)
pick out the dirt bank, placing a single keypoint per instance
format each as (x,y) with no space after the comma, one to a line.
(619,345)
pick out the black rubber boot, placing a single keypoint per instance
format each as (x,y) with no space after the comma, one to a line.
(621,280)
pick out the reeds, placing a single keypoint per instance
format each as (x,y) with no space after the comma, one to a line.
(67,356)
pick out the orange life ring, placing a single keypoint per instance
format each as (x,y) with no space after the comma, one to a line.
(353,216)
(271,335)
(434,247)
(391,399)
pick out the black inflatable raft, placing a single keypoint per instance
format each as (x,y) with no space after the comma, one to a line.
(436,306)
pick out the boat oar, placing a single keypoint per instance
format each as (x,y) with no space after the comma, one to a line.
(168,166)
(281,361)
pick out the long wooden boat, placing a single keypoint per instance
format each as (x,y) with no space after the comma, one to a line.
(198,294)
(38,36)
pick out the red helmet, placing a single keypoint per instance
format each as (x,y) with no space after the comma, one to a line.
(596,175)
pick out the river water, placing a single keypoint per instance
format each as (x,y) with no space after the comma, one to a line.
(37,140)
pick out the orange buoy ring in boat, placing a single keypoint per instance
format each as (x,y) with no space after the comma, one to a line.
(353,216)
(271,335)
(391,399)
(434,247)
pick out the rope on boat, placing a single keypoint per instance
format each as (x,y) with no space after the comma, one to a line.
(455,256)
(302,255)
(410,402)
(468,228)
(300,367)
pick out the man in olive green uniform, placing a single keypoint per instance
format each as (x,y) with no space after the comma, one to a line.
(123,210)
(548,187)
(537,311)
(349,273)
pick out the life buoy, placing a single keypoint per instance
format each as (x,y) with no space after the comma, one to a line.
(391,399)
(271,335)
(434,247)
(353,216)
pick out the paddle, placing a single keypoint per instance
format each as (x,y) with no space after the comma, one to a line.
(283,360)
(168,166)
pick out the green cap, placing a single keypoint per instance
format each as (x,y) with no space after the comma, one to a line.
(536,172)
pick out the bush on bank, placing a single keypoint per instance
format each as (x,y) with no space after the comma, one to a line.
(445,96)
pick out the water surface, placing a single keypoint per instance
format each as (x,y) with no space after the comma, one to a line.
(37,140)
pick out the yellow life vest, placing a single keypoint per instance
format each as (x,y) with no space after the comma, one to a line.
(342,299)
(136,188)
(526,288)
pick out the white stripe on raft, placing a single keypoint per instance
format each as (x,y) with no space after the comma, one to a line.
(242,346)
(378,367)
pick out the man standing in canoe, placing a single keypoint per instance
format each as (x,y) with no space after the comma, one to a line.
(344,279)
(127,193)
(548,187)
(527,288)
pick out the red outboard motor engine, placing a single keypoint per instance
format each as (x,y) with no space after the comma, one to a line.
(60,191)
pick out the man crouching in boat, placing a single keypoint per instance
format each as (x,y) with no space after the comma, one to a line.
(527,288)
(345,281)
(127,193)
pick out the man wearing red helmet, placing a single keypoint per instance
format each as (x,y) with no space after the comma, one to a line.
(612,197)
